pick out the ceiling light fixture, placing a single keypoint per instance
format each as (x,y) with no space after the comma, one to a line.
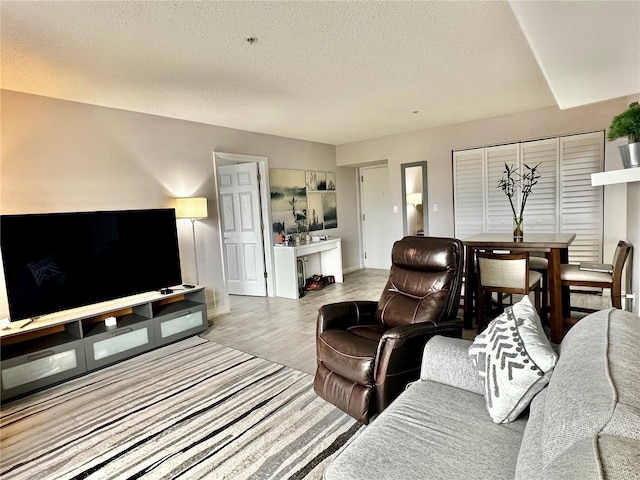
(251,40)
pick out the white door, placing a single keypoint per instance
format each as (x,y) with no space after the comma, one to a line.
(242,229)
(376,217)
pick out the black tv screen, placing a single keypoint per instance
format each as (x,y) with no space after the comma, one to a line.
(57,261)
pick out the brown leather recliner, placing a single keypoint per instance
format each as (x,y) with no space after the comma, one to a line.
(369,351)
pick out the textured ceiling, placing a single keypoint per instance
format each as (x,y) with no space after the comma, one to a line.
(588,51)
(332,72)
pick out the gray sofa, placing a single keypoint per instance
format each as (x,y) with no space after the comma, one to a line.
(584,425)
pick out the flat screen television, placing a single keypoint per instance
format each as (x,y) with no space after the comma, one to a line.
(57,261)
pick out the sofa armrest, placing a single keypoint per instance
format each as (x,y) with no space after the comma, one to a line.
(446,360)
(343,315)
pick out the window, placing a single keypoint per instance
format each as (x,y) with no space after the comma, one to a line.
(563,200)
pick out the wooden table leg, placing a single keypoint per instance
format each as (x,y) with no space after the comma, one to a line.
(566,310)
(469,288)
(555,296)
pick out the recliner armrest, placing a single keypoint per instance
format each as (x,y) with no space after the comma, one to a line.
(446,360)
(400,353)
(343,315)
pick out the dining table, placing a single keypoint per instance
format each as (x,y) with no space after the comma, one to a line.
(555,247)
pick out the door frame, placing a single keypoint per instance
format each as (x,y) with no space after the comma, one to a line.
(265,207)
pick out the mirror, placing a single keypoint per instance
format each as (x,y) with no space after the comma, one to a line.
(414,199)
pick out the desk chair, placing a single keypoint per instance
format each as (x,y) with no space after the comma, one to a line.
(505,273)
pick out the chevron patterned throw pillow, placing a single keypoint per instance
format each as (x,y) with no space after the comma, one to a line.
(514,359)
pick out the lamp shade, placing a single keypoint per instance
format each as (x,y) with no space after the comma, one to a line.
(414,198)
(191,207)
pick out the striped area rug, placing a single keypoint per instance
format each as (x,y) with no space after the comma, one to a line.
(194,409)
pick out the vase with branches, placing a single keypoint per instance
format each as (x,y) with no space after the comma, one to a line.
(512,181)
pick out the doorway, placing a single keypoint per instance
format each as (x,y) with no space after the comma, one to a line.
(243,211)
(377,240)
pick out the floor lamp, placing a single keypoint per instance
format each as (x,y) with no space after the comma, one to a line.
(193,209)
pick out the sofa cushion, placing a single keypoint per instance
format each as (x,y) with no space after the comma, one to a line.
(619,457)
(597,375)
(585,424)
(591,458)
(514,359)
(432,431)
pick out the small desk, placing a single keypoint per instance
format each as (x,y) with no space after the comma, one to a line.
(325,258)
(555,245)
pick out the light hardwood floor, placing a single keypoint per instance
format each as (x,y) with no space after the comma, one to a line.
(283,330)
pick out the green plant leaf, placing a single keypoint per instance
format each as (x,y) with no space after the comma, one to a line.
(626,124)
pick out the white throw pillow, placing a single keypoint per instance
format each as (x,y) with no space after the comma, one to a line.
(514,359)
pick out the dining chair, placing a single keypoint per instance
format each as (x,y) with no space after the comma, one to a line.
(505,273)
(599,276)
(540,263)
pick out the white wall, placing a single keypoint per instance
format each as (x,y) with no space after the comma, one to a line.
(64,156)
(436,145)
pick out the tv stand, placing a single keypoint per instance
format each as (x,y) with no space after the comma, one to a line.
(28,322)
(38,353)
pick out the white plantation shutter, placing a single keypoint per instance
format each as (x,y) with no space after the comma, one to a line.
(499,213)
(541,210)
(469,187)
(563,200)
(582,204)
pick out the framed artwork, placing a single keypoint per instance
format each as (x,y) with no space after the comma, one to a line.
(302,200)
(316,212)
(288,200)
(330,210)
(311,181)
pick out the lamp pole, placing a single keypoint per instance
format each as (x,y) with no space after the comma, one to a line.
(195,249)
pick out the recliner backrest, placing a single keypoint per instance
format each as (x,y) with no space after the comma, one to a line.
(424,282)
